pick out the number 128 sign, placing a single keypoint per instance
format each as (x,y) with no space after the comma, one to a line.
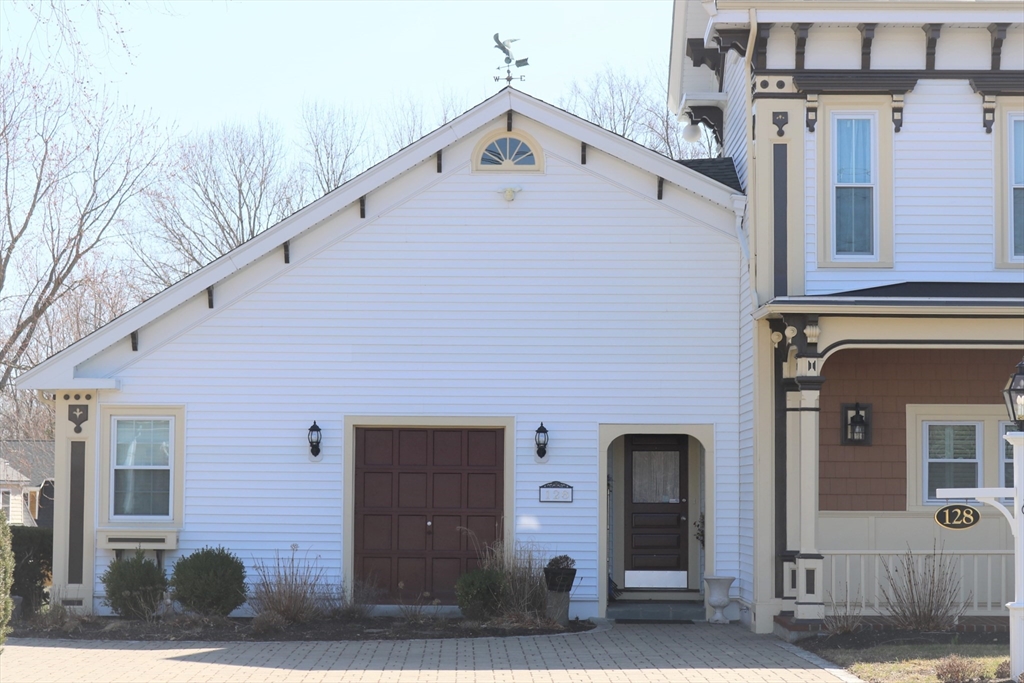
(957,516)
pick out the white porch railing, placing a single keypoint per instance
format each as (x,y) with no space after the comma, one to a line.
(854,579)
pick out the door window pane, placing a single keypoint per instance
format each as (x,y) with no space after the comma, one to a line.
(655,476)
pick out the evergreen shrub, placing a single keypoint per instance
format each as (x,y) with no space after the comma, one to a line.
(134,585)
(210,581)
(33,565)
(479,593)
(6,579)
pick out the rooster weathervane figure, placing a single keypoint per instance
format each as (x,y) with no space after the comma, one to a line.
(510,60)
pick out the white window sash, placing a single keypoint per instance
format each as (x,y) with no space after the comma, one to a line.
(114,467)
(1016,182)
(978,460)
(872,118)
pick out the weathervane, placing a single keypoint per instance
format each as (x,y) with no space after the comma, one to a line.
(510,61)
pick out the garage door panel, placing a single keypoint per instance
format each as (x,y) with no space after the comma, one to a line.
(376,571)
(377,487)
(412,578)
(481,491)
(447,490)
(377,532)
(447,533)
(445,572)
(412,490)
(378,447)
(412,532)
(484,528)
(447,448)
(412,447)
(482,449)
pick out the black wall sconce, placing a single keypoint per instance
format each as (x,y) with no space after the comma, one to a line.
(541,437)
(856,425)
(314,440)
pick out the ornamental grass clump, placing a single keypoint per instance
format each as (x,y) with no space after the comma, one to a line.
(210,582)
(957,669)
(135,586)
(923,591)
(292,587)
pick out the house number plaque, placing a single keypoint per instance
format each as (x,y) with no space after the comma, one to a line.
(555,492)
(957,516)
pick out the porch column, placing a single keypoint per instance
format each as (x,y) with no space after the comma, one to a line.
(810,603)
(793,486)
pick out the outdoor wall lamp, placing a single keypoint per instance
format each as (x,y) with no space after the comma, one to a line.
(856,425)
(314,440)
(1014,396)
(541,437)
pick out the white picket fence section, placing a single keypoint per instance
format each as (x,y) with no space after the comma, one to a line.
(856,579)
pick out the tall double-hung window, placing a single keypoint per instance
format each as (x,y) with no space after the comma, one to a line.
(854,187)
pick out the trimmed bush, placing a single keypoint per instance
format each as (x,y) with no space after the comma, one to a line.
(134,585)
(479,593)
(33,565)
(6,579)
(210,581)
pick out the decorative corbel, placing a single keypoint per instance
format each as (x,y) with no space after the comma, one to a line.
(812,112)
(733,39)
(712,117)
(867,34)
(897,111)
(801,31)
(780,119)
(703,56)
(998,32)
(931,32)
(988,108)
(761,47)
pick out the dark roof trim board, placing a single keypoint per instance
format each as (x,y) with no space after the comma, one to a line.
(942,290)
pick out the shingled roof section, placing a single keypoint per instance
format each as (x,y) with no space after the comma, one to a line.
(33,459)
(722,169)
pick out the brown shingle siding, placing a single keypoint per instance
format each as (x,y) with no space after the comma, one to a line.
(875,477)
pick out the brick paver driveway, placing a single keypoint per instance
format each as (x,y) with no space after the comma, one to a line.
(628,653)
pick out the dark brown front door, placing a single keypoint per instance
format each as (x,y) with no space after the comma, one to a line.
(655,511)
(417,491)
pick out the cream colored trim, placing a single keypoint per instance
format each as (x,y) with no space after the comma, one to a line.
(129,539)
(106,519)
(607,433)
(508,167)
(951,310)
(348,522)
(881,107)
(1007,108)
(919,413)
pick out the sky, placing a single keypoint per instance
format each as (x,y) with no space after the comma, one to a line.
(199,64)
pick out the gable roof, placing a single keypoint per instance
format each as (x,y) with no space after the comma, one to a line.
(58,371)
(9,475)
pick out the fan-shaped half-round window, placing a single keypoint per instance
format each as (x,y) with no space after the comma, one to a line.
(506,151)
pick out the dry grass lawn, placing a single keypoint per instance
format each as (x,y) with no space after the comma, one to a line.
(911,663)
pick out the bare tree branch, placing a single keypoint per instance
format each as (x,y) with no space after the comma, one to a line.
(334,145)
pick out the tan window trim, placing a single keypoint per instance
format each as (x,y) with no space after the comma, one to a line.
(1007,108)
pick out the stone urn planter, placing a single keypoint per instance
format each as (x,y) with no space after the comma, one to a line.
(718,596)
(559,576)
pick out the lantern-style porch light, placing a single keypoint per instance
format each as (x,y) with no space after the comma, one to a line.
(314,440)
(541,438)
(1013,394)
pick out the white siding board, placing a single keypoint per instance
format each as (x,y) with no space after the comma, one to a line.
(736,83)
(576,304)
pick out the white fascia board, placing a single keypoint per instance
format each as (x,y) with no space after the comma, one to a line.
(676,54)
(891,307)
(628,151)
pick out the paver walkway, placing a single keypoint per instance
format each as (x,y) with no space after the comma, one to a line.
(634,653)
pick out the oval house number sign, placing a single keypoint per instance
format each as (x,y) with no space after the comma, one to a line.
(957,516)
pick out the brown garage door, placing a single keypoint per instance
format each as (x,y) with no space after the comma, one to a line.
(416,490)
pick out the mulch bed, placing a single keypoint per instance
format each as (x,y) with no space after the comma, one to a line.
(867,638)
(185,627)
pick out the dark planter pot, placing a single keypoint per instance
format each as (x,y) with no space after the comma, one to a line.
(559,580)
